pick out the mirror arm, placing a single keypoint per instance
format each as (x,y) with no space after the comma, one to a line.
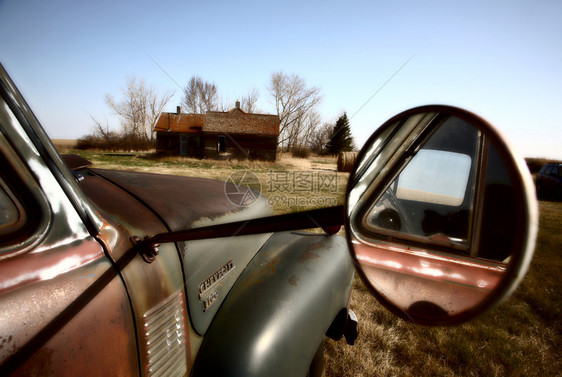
(329,219)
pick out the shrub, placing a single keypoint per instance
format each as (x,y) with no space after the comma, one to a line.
(300,152)
(114,142)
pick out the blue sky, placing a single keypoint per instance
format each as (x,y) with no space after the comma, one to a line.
(499,59)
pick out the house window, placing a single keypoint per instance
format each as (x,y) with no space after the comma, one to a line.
(183,145)
(222,144)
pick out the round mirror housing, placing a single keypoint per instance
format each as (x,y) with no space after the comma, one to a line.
(441,218)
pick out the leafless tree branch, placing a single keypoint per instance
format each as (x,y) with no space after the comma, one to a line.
(248,102)
(295,104)
(140,108)
(200,96)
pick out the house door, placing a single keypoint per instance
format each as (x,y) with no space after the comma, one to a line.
(183,145)
(222,144)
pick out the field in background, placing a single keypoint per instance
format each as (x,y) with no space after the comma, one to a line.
(64,144)
(521,337)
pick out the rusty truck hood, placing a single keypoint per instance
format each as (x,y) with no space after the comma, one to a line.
(184,202)
(147,204)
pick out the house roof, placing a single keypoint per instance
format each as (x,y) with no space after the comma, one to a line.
(234,121)
(180,123)
(237,121)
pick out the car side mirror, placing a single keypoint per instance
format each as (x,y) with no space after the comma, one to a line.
(441,218)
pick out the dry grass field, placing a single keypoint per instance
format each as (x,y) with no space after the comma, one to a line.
(521,337)
(64,144)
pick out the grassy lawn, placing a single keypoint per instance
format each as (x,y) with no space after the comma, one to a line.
(521,337)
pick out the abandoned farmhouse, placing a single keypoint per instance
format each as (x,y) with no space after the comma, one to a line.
(217,134)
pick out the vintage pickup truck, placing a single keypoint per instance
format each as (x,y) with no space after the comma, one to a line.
(118,273)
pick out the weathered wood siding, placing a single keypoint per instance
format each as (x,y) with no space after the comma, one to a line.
(253,147)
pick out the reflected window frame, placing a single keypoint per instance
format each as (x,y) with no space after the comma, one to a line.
(468,249)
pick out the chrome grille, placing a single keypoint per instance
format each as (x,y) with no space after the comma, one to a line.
(165,337)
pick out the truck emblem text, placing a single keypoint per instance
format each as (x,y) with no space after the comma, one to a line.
(215,278)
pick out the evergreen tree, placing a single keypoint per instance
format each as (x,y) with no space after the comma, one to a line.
(340,139)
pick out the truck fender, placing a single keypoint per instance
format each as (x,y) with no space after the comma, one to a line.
(279,310)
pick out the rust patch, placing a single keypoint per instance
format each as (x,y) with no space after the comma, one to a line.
(308,255)
(260,275)
(273,265)
(41,364)
(315,246)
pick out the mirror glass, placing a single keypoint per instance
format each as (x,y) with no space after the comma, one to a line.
(438,215)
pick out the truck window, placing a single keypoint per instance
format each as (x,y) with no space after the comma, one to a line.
(433,194)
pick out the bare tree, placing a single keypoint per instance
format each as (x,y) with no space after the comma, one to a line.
(302,133)
(248,102)
(101,131)
(320,138)
(293,101)
(139,109)
(200,96)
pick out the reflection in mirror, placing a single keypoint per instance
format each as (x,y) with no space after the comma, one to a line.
(434,226)
(433,194)
(435,176)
